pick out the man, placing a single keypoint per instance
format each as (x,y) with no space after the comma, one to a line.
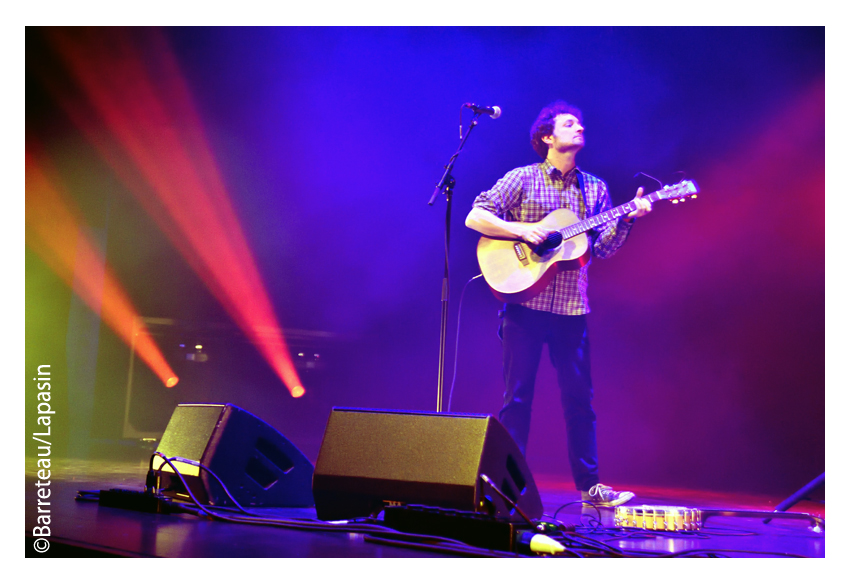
(557,315)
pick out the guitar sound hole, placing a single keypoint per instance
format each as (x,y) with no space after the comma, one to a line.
(550,243)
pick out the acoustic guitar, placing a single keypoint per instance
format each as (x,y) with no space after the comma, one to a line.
(517,271)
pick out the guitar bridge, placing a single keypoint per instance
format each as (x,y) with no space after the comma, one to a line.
(520,254)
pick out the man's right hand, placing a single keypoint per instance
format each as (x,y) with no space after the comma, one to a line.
(531,232)
(486,223)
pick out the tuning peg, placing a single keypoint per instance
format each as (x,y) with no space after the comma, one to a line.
(675,201)
(682,200)
(693,196)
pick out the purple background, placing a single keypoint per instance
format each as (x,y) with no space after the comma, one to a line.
(707,327)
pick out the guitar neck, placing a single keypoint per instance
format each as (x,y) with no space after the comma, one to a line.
(605,217)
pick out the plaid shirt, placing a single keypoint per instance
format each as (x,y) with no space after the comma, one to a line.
(528,194)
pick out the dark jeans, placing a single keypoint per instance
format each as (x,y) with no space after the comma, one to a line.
(523,332)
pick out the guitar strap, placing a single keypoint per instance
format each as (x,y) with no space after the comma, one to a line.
(580,177)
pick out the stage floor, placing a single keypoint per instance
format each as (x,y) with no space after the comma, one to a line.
(86,529)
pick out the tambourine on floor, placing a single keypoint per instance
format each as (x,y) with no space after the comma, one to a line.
(85,529)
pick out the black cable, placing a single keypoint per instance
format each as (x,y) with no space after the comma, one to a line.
(577,545)
(726,532)
(457,339)
(204,467)
(464,550)
(698,552)
(636,533)
(571,552)
(167,460)
(386,533)
(88,496)
(592,543)
(586,543)
(584,503)
(508,500)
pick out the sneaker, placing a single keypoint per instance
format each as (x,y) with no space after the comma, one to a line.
(604,496)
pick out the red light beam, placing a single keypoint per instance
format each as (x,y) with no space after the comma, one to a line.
(163,157)
(53,232)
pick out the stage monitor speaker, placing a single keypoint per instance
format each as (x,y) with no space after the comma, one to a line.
(370,459)
(257,464)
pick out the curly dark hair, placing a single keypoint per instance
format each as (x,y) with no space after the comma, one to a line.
(544,125)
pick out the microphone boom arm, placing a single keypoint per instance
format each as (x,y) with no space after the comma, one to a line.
(446,182)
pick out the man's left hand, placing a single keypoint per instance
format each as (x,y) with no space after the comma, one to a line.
(644,206)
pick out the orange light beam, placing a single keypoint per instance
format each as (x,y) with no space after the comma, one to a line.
(165,160)
(53,232)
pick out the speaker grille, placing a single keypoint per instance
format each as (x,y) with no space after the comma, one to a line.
(372,458)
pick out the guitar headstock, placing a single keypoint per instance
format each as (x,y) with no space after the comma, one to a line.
(680,192)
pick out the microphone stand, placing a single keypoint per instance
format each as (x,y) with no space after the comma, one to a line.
(446,186)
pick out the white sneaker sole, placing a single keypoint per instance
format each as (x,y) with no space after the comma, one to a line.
(615,503)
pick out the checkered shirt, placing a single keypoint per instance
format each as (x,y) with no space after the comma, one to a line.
(528,194)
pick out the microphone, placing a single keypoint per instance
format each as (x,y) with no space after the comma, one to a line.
(494,112)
